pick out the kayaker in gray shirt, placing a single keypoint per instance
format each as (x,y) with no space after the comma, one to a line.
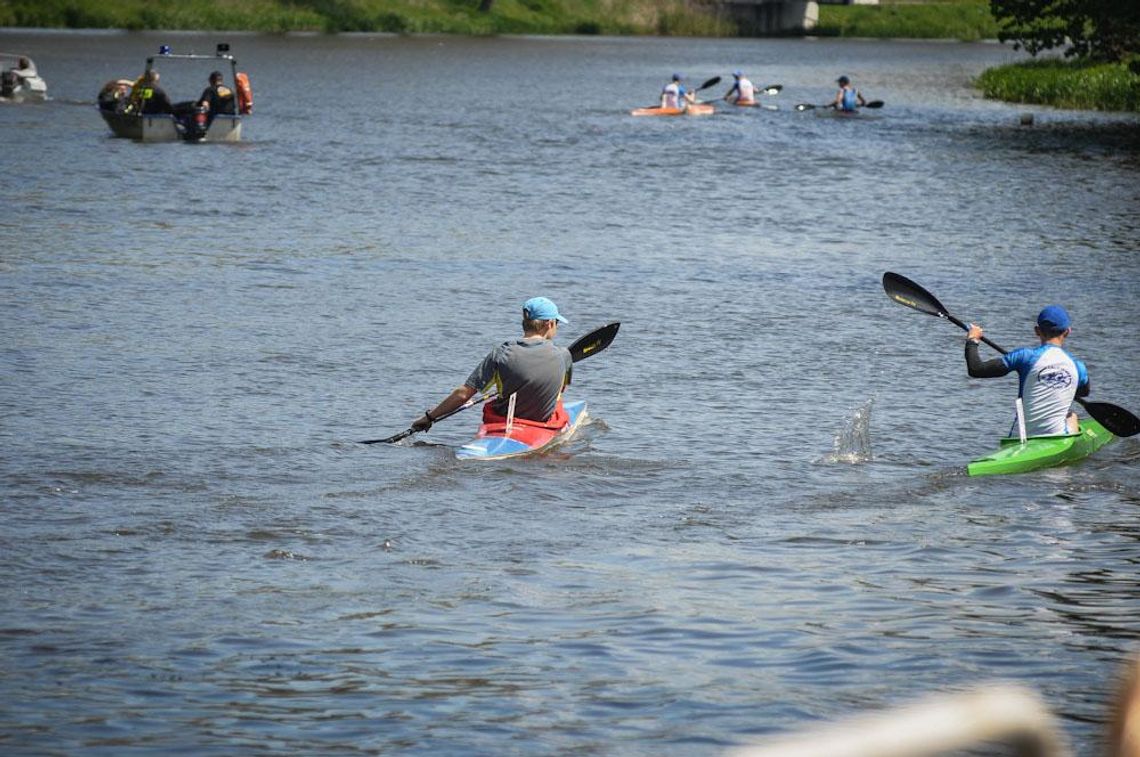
(532,368)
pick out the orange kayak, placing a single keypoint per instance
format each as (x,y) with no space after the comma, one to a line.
(694,109)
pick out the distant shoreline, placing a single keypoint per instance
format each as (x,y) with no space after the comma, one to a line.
(963,20)
(1045,82)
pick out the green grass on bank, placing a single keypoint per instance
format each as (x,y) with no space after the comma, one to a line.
(616,17)
(948,19)
(1064,84)
(965,20)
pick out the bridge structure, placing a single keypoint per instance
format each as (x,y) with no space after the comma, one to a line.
(774,17)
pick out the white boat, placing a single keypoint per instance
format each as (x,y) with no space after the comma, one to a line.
(19,80)
(124,114)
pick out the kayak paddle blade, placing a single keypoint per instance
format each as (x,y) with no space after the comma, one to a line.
(594,342)
(710,83)
(906,292)
(1113,417)
(873,104)
(804,106)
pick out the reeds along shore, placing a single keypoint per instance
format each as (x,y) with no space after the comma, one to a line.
(1064,84)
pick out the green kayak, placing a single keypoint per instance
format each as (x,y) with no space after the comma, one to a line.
(1041,451)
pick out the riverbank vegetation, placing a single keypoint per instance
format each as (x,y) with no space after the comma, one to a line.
(1064,84)
(1100,40)
(469,17)
(965,20)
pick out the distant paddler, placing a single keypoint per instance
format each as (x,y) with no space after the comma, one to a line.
(743,91)
(674,95)
(847,99)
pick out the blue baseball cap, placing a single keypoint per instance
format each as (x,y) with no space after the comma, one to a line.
(678,77)
(1054,318)
(738,73)
(542,309)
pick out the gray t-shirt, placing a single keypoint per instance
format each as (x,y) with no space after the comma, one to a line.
(534,368)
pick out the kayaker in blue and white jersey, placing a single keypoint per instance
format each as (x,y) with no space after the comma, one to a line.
(674,94)
(532,368)
(848,98)
(1050,378)
(743,91)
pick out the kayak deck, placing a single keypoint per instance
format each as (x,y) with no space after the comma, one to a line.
(491,443)
(1038,452)
(694,109)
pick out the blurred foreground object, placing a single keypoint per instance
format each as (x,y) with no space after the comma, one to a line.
(998,713)
(1124,723)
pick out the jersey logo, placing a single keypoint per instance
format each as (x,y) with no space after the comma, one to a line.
(1055,378)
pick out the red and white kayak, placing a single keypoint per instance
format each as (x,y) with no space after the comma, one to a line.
(496,440)
(693,109)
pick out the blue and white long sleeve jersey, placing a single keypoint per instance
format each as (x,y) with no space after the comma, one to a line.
(1049,379)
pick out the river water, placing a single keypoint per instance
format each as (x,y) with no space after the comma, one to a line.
(767,526)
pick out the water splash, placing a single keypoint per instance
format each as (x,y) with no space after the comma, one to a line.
(853,443)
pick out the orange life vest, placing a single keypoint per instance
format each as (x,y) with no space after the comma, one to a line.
(244,93)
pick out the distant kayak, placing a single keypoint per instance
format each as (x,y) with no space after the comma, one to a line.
(696,109)
(1042,451)
(754,104)
(494,442)
(837,113)
(829,110)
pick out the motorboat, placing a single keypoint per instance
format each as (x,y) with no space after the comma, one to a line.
(124,104)
(19,80)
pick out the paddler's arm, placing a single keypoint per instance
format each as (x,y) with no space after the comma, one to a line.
(458,396)
(974,365)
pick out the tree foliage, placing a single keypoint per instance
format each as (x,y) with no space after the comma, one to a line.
(1103,30)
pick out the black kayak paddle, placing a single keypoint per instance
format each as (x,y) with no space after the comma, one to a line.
(582,348)
(902,290)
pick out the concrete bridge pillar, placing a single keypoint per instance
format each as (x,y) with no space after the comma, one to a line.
(770,17)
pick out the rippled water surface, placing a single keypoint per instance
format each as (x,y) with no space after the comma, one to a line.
(768,523)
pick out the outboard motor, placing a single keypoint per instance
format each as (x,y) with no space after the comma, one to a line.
(195,125)
(8,83)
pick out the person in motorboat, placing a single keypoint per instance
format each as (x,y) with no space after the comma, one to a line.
(195,116)
(147,97)
(674,94)
(217,97)
(532,369)
(1050,378)
(847,99)
(115,95)
(22,80)
(743,89)
(24,69)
